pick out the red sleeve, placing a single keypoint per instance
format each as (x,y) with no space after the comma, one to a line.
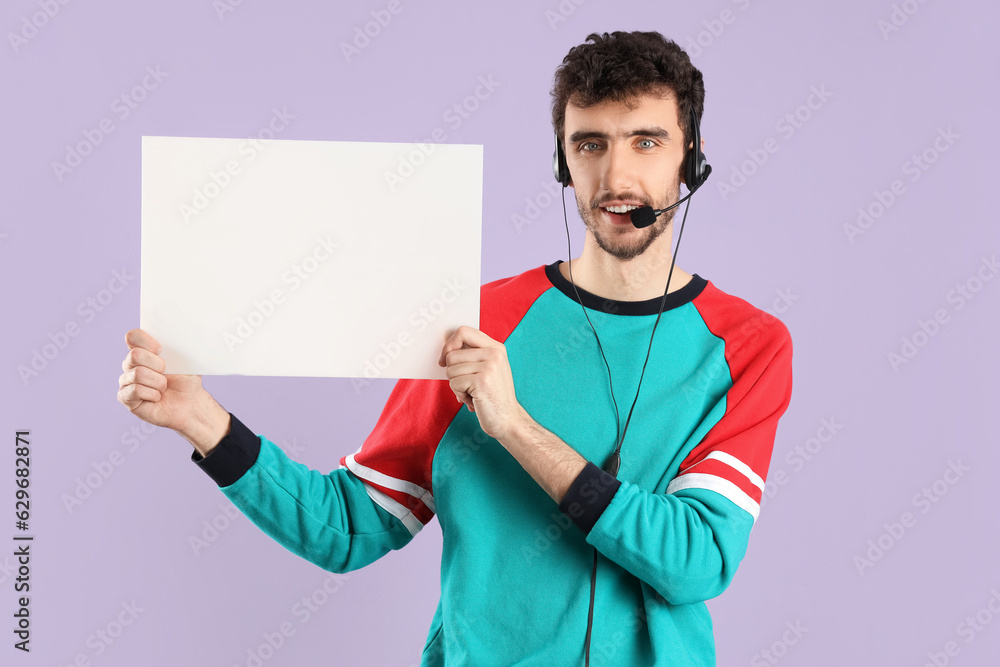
(395,459)
(734,456)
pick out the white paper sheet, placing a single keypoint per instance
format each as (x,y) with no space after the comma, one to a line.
(308,258)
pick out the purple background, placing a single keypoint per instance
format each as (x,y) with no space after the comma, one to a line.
(782,232)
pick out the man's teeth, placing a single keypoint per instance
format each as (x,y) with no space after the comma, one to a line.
(621,209)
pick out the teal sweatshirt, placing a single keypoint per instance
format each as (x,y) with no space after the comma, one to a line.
(669,531)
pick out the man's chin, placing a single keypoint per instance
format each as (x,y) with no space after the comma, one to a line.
(623,250)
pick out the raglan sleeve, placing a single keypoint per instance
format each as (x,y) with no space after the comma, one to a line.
(687,542)
(376,501)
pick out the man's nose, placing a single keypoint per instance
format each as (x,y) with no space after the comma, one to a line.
(619,170)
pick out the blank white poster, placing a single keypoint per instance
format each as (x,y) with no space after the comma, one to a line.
(308,258)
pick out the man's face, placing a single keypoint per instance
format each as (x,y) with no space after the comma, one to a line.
(618,157)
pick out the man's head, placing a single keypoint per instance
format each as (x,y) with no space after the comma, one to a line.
(621,107)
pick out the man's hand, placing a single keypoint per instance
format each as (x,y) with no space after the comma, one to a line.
(479,374)
(178,402)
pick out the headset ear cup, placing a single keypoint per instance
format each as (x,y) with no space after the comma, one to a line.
(690,173)
(559,167)
(696,167)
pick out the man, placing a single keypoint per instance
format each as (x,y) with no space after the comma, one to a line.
(512,477)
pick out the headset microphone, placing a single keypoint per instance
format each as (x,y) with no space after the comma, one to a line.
(647,215)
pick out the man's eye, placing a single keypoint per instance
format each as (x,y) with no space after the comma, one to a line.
(647,143)
(589,146)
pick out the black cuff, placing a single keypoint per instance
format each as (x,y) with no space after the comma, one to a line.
(588,496)
(233,456)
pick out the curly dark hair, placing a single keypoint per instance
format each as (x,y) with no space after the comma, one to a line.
(620,67)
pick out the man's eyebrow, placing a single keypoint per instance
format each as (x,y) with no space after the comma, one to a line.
(654,131)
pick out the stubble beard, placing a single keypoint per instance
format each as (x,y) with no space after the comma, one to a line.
(627,242)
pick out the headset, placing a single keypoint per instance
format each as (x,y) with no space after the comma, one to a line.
(696,171)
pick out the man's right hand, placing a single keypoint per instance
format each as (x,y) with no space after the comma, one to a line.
(177,402)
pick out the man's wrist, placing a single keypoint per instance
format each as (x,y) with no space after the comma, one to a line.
(208,425)
(519,429)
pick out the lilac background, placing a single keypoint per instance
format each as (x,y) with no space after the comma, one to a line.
(782,232)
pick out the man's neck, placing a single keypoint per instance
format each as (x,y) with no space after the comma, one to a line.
(639,279)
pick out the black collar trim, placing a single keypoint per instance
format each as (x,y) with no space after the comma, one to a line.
(676,298)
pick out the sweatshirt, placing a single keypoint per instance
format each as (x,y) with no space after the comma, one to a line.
(670,530)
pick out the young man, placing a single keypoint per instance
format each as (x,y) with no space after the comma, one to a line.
(507,451)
